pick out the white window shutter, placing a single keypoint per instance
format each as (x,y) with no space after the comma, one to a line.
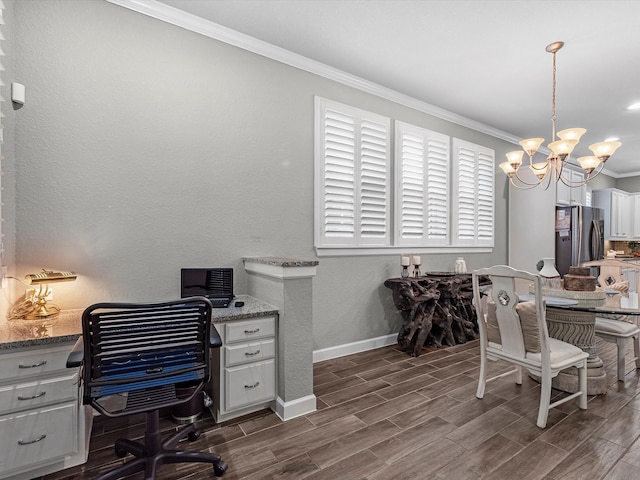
(339,175)
(422,186)
(352,176)
(473,194)
(374,182)
(486,195)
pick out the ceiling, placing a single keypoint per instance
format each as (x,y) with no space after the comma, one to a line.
(484,60)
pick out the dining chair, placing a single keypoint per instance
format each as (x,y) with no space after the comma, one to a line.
(617,329)
(516,332)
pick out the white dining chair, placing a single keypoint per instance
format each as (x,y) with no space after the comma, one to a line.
(516,332)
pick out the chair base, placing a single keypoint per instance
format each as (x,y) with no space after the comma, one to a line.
(155,452)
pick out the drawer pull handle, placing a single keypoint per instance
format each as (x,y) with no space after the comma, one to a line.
(29,442)
(248,332)
(35,365)
(37,395)
(251,354)
(252,386)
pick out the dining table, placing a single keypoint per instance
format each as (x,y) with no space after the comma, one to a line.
(573,321)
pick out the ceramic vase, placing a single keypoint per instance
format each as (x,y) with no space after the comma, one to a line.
(549,274)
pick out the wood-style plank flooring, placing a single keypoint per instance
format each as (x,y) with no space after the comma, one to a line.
(383,414)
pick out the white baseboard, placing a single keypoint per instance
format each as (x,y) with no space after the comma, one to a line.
(295,408)
(355,347)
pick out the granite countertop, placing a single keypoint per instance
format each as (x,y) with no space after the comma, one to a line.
(67,327)
(252,308)
(281,261)
(64,328)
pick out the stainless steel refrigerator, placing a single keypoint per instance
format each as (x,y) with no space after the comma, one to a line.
(579,236)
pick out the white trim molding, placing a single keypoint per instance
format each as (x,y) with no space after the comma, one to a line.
(355,347)
(295,408)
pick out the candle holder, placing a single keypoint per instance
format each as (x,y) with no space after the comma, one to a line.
(405,271)
(416,271)
(417,261)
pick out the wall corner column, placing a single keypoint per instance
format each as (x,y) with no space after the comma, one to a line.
(288,285)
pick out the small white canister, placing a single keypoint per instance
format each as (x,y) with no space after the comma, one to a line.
(460,266)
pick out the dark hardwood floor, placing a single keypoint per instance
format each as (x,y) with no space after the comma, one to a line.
(383,415)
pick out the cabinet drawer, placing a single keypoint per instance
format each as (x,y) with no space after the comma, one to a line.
(33,394)
(36,436)
(249,352)
(248,384)
(33,362)
(245,330)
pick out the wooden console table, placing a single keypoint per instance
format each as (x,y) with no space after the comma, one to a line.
(437,310)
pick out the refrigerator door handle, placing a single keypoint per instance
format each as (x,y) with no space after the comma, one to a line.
(594,240)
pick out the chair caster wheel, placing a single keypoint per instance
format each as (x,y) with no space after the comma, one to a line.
(193,436)
(120,452)
(219,468)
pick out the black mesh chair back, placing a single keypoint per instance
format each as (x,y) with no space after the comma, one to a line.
(136,359)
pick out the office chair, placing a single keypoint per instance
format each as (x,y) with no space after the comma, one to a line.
(517,333)
(133,357)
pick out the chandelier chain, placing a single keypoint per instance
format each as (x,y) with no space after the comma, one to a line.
(553,100)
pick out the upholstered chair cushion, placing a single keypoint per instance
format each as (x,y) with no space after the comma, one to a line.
(526,311)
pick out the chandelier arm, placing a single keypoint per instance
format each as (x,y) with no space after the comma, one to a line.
(557,169)
(586,180)
(535,184)
(589,177)
(528,186)
(548,177)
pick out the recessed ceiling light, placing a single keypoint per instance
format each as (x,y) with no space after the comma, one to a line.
(634,106)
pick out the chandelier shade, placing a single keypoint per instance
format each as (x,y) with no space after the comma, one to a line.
(550,171)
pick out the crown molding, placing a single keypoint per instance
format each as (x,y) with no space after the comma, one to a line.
(224,34)
(619,175)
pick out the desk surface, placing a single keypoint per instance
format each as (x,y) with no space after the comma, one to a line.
(67,327)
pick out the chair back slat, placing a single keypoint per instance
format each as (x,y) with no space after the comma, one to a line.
(505,299)
(130,347)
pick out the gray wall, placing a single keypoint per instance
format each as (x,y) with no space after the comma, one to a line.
(628,184)
(144,148)
(8,295)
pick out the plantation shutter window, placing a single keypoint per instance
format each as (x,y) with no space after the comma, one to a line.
(422,186)
(473,194)
(352,176)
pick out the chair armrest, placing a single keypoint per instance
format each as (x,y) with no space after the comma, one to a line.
(214,338)
(76,357)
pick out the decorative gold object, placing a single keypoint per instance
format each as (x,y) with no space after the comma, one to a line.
(40,308)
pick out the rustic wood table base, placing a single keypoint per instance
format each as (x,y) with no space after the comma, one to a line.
(437,310)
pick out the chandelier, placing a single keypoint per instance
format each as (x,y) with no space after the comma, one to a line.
(551,169)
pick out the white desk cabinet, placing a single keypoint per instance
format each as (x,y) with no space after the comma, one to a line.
(244,368)
(44,426)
